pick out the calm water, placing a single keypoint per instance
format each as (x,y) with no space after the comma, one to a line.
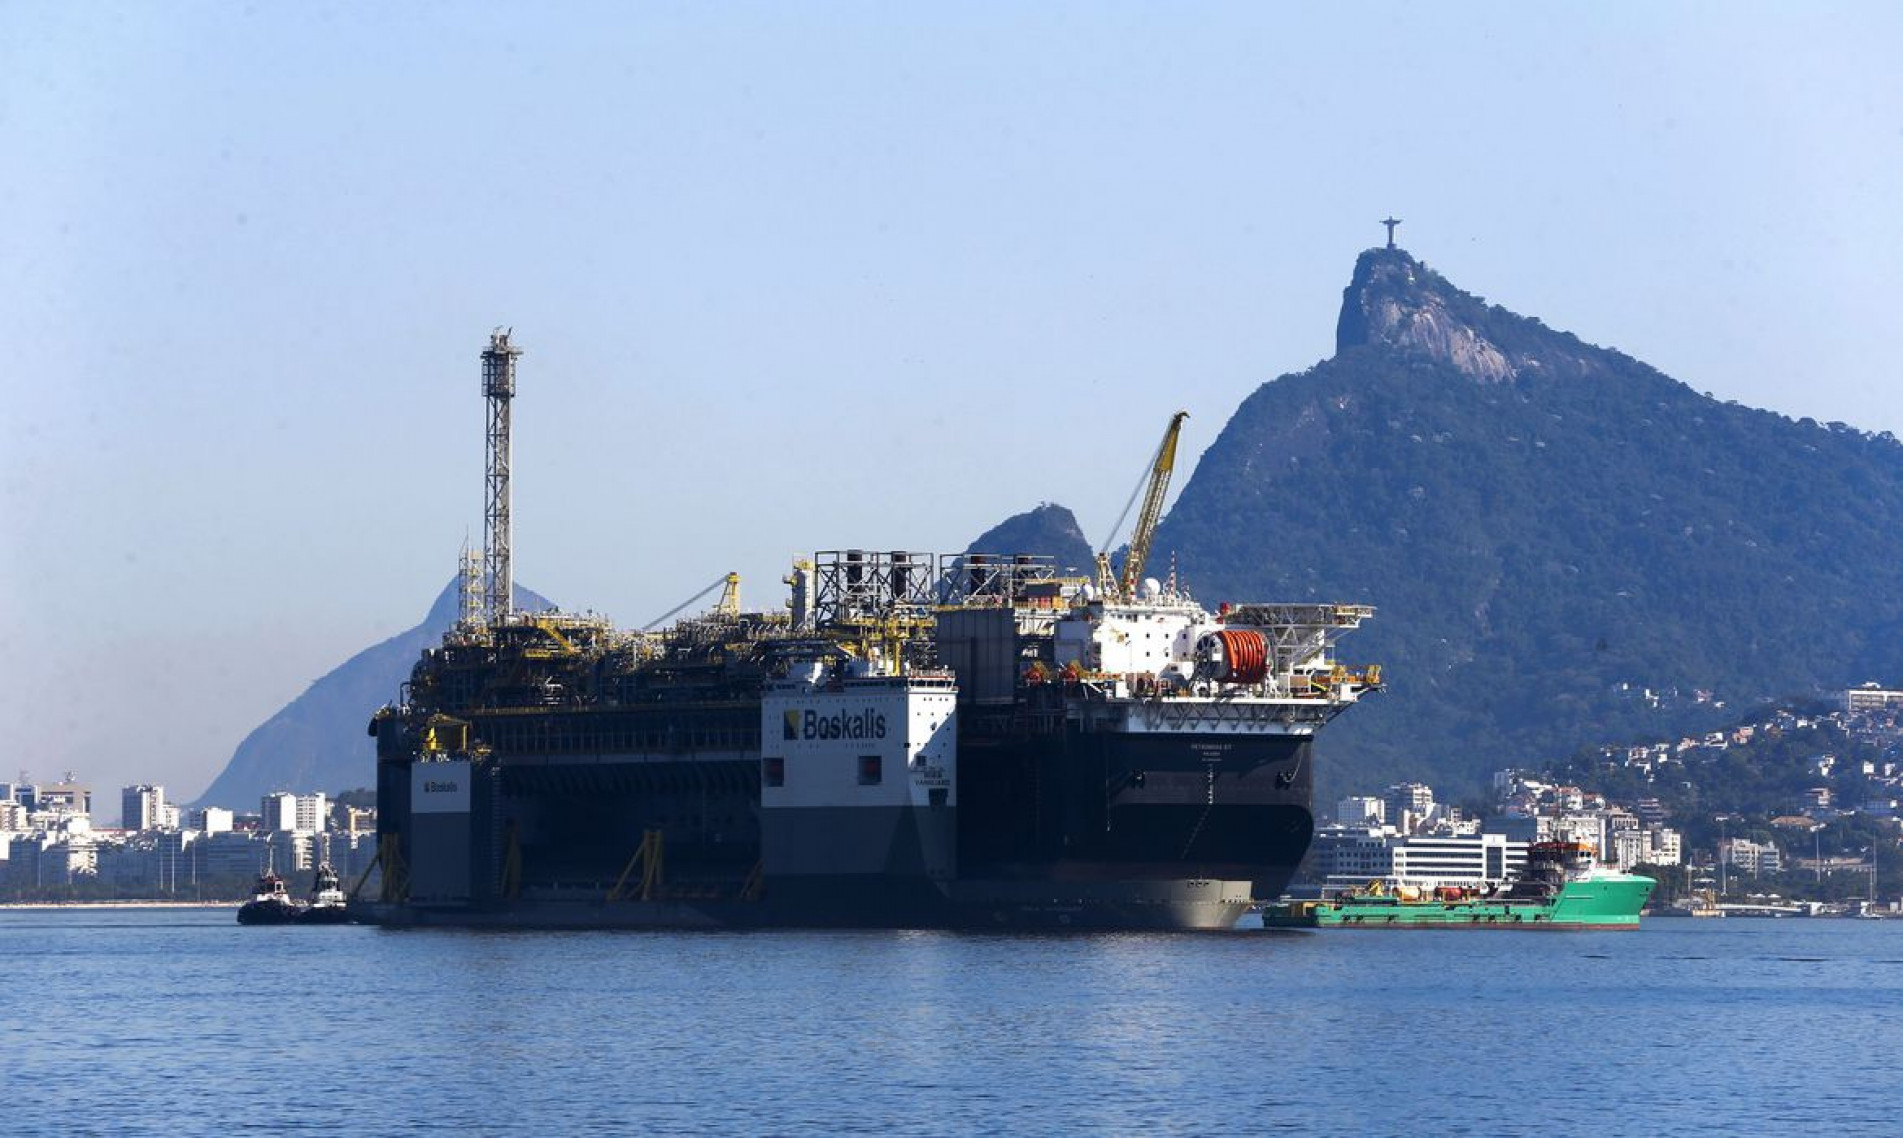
(129,1021)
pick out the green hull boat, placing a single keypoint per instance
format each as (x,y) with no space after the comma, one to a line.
(1561,890)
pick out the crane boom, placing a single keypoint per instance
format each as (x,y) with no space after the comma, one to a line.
(1124,588)
(1152,513)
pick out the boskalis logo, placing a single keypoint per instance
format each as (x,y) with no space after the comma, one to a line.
(807,726)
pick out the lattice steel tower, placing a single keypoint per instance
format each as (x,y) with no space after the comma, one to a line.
(498,387)
(473,590)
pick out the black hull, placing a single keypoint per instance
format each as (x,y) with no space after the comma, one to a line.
(268,913)
(1064,828)
(843,904)
(1117,807)
(324,915)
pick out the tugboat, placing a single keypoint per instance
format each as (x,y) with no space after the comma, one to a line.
(270,903)
(1561,889)
(327,904)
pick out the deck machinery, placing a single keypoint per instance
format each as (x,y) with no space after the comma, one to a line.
(917,740)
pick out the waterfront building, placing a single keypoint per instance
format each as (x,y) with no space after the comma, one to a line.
(212,820)
(1351,856)
(1362,810)
(295,852)
(143,808)
(313,813)
(1750,856)
(1650,845)
(1871,697)
(232,853)
(174,868)
(1457,859)
(1409,804)
(1352,853)
(50,859)
(1514,826)
(287,813)
(279,811)
(1576,825)
(125,865)
(61,798)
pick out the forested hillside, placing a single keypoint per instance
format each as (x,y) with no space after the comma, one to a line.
(1548,528)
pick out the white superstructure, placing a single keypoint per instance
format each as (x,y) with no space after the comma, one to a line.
(1352,856)
(869,741)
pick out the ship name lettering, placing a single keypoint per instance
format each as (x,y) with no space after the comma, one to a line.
(867,724)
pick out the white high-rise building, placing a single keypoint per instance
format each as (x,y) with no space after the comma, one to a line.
(313,810)
(1750,856)
(1350,857)
(1408,805)
(143,808)
(1363,810)
(279,811)
(212,820)
(287,813)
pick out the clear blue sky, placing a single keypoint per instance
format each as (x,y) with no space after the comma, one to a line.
(802,276)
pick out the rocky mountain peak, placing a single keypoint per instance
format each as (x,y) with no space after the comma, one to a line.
(1048,529)
(1396,301)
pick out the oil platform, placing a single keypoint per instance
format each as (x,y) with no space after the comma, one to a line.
(911,739)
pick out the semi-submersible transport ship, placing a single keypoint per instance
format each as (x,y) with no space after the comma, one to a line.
(912,740)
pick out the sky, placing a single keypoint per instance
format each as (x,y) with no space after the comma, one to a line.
(804,276)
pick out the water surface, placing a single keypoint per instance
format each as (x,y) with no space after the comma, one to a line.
(121,1021)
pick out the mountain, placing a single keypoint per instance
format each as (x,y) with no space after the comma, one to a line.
(318,741)
(1548,528)
(1047,529)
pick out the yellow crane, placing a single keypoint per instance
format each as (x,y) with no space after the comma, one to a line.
(1109,584)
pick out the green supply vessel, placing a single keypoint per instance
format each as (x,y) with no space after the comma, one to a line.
(1561,889)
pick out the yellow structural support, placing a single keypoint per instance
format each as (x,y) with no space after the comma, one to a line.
(555,634)
(444,734)
(396,876)
(650,855)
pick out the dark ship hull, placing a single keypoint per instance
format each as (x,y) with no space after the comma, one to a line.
(268,912)
(325,915)
(750,773)
(1039,843)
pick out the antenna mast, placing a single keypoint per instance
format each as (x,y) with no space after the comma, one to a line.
(498,388)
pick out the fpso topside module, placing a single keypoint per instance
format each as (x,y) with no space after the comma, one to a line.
(914,740)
